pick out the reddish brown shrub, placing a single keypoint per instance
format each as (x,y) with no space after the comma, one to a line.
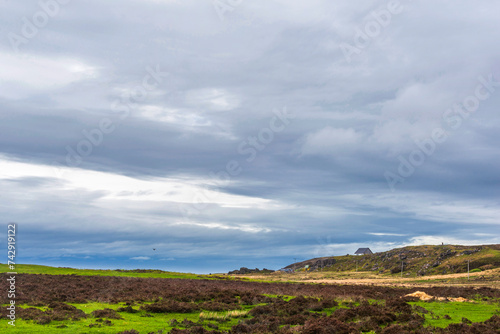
(106,313)
(171,306)
(127,309)
(30,313)
(327,325)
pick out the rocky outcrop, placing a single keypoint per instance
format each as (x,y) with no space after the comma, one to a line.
(322,263)
(245,270)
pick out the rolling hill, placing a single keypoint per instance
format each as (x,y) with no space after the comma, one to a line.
(416,260)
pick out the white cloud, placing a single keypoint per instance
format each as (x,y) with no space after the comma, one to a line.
(140,258)
(243,228)
(328,141)
(28,74)
(387,234)
(448,240)
(430,206)
(212,99)
(142,194)
(184,117)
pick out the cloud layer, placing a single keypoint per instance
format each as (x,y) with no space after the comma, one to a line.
(248,134)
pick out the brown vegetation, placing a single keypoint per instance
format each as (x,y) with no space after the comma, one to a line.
(314,310)
(40,290)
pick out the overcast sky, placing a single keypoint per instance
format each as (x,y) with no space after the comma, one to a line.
(246,133)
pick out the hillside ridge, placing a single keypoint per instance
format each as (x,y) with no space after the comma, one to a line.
(415,260)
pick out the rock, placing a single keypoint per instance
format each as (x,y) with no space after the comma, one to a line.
(424,296)
(420,295)
(322,263)
(446,254)
(470,252)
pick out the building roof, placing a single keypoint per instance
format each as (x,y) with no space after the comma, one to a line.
(363,251)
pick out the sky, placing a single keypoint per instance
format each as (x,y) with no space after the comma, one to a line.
(203,136)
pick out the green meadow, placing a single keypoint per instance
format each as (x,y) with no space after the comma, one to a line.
(478,311)
(150,273)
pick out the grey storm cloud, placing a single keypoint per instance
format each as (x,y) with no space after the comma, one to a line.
(203,129)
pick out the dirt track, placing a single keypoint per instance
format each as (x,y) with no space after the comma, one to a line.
(490,278)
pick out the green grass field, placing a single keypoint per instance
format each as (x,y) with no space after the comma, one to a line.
(37,269)
(475,312)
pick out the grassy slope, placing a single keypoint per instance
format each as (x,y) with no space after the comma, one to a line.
(37,269)
(423,260)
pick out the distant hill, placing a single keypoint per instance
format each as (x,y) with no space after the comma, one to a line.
(417,260)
